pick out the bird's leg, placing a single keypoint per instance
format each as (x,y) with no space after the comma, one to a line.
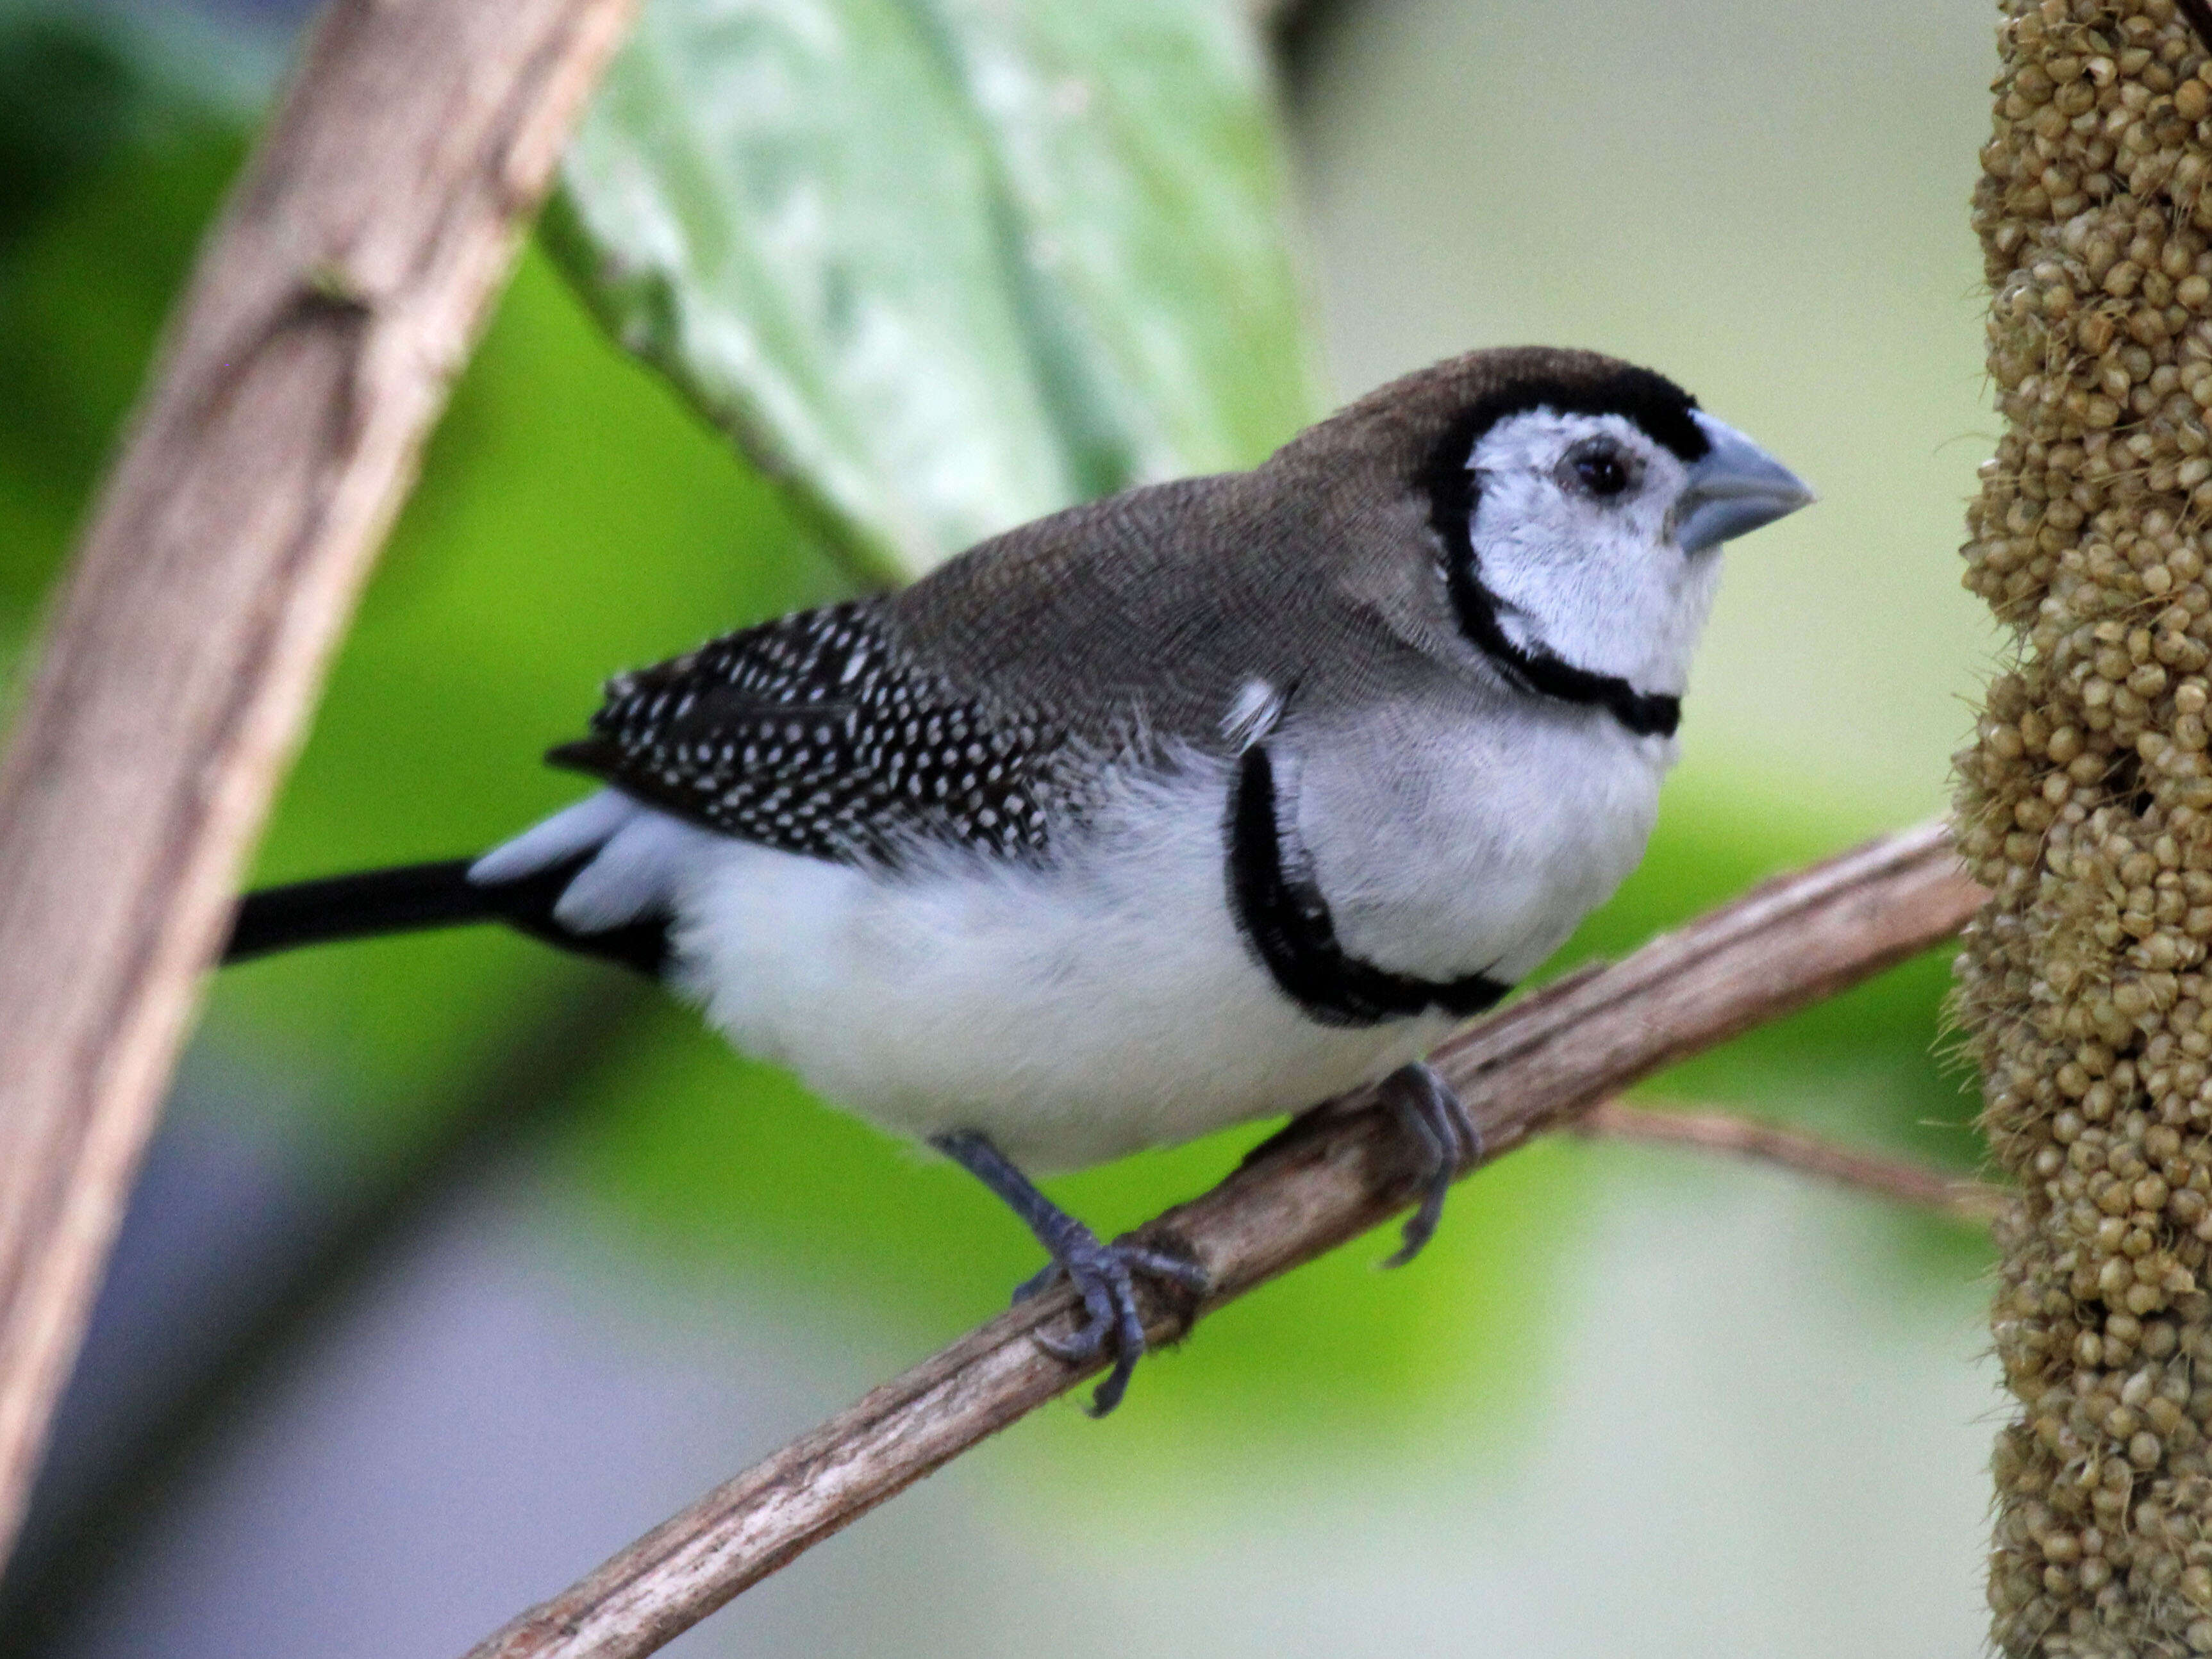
(1439,1126)
(1103,1274)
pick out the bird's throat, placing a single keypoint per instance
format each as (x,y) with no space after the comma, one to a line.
(1534,668)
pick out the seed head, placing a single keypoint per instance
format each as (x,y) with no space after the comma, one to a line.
(2084,805)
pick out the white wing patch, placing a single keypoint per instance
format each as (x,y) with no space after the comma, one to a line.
(1252,715)
(592,822)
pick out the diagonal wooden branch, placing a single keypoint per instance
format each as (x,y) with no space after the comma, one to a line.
(330,309)
(1329,1176)
(1974,1202)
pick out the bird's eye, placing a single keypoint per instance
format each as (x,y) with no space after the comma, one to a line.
(1598,467)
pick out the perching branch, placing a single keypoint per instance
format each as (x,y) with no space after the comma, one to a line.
(1329,1176)
(1974,1202)
(330,309)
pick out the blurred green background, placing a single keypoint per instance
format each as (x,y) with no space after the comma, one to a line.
(460,1262)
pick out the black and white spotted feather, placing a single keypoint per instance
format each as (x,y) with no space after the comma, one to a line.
(817,733)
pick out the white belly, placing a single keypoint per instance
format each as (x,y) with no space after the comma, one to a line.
(1073,1012)
(1105,1002)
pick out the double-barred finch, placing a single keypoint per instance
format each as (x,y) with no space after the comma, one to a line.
(1201,804)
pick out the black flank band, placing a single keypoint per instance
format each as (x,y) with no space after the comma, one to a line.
(1282,913)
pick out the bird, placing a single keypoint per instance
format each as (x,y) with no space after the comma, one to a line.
(1198,804)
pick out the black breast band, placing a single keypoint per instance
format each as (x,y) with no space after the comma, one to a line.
(1282,913)
(1647,713)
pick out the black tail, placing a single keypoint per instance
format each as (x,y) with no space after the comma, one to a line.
(416,896)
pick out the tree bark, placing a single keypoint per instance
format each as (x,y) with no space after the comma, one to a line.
(333,303)
(1329,1176)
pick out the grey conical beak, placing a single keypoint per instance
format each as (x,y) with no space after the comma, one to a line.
(1734,490)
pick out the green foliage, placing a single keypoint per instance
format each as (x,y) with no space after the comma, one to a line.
(945,266)
(97,222)
(1863,1066)
(572,519)
(66,99)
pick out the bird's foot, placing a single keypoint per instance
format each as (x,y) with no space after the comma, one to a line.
(1104,1276)
(1447,1140)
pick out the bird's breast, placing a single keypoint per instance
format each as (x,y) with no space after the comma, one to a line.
(1447,847)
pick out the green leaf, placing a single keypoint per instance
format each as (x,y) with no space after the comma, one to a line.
(945,266)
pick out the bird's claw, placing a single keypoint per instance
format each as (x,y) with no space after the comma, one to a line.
(1104,1277)
(1447,1138)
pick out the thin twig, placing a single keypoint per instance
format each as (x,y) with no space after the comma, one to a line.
(1332,1174)
(1974,1202)
(353,268)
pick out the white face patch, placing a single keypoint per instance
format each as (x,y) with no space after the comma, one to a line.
(1574,538)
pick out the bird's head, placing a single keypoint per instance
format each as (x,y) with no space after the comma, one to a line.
(1572,509)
